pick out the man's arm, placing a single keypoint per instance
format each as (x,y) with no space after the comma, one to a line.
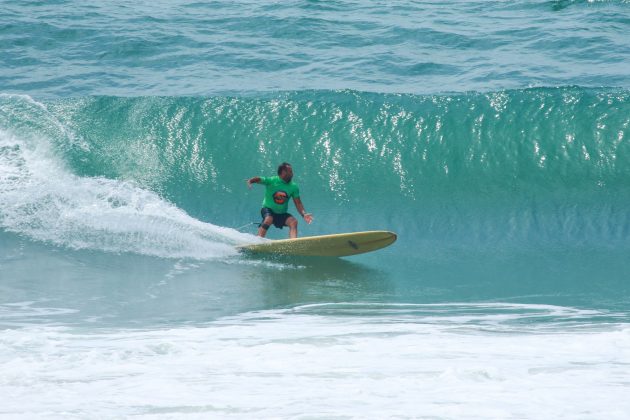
(300,208)
(254,180)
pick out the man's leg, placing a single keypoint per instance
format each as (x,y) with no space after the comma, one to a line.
(292,223)
(262,230)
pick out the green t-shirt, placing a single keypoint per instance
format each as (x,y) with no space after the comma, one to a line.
(278,193)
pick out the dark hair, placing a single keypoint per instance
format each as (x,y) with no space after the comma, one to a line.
(283,166)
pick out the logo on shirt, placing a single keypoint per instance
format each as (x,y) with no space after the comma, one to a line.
(280,197)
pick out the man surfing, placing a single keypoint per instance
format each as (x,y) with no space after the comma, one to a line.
(278,190)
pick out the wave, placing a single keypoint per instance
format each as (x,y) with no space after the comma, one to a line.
(547,138)
(544,164)
(42,199)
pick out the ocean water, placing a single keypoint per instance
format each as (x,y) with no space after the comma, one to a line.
(492,136)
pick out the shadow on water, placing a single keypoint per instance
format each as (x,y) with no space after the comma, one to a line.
(290,281)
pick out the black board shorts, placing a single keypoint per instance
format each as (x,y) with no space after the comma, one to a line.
(279,219)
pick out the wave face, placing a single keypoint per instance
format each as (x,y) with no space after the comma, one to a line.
(510,168)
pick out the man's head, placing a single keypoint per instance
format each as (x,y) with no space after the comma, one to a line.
(285,171)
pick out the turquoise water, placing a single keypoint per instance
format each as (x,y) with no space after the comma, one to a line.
(491,136)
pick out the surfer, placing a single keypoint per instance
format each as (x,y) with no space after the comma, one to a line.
(276,202)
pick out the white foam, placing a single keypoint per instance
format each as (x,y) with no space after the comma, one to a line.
(24,310)
(43,200)
(314,362)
